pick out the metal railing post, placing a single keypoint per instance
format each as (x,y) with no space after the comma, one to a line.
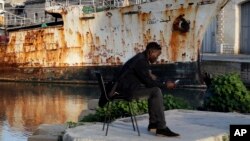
(6,22)
(15,20)
(34,18)
(24,21)
(93,2)
(67,2)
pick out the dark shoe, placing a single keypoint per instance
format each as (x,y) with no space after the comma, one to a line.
(166,132)
(102,101)
(152,126)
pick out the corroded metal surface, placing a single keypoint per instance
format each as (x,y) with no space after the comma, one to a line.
(1,20)
(112,37)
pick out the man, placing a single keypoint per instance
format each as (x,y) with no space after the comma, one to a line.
(136,78)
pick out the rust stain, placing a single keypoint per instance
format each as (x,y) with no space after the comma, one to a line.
(163,41)
(96,59)
(174,42)
(136,49)
(62,38)
(64,11)
(144,16)
(199,44)
(97,40)
(200,30)
(126,9)
(12,40)
(70,31)
(162,61)
(112,60)
(184,55)
(2,20)
(118,61)
(79,38)
(109,60)
(179,34)
(147,36)
(181,10)
(89,37)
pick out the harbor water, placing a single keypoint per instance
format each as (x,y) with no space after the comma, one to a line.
(24,106)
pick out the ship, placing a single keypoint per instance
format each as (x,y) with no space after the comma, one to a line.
(101,35)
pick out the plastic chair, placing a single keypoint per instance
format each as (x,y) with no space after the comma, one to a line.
(109,102)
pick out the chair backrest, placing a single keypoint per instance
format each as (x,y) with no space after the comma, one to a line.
(101,85)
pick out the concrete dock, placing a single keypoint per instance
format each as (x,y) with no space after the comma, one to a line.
(191,125)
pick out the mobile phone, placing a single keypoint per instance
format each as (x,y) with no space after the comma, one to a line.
(177,81)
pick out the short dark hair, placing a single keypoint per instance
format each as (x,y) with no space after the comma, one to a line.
(153,46)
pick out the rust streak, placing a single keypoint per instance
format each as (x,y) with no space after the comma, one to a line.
(174,42)
(79,38)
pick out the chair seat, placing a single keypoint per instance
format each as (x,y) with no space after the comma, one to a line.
(126,98)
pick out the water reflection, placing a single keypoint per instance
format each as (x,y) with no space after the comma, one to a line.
(24,106)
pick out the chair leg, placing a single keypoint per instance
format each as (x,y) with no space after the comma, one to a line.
(109,116)
(107,129)
(131,115)
(137,126)
(135,121)
(105,119)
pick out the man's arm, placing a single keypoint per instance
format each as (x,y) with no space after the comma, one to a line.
(142,72)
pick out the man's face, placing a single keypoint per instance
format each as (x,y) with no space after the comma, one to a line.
(153,55)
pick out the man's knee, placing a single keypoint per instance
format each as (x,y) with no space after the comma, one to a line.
(156,91)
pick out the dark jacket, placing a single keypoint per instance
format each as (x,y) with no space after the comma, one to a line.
(135,75)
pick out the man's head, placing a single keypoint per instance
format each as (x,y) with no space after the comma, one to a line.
(153,51)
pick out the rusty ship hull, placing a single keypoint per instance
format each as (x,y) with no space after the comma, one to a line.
(103,41)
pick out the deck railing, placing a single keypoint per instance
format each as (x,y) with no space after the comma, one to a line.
(95,4)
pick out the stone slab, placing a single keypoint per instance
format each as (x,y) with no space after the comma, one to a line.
(192,126)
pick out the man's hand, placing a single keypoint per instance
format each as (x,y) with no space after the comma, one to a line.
(170,85)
